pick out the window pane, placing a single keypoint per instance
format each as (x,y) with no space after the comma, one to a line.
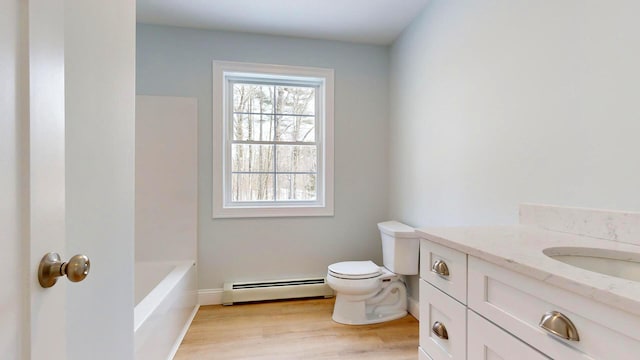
(296,187)
(296,128)
(251,158)
(253,127)
(252,98)
(296,100)
(252,187)
(296,158)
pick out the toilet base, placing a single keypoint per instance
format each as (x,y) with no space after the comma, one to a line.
(390,303)
(368,319)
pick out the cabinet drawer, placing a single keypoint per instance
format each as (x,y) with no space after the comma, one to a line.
(436,308)
(517,303)
(487,341)
(423,355)
(455,262)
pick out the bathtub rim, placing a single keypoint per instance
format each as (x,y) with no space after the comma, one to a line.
(150,302)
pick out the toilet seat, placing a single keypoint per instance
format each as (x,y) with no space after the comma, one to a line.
(355,270)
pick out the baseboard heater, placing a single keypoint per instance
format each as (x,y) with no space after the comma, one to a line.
(238,292)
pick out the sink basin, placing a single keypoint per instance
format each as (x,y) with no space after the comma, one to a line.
(621,264)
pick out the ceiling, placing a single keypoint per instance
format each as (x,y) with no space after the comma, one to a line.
(363,21)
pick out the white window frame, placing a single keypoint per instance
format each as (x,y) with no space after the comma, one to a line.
(226,71)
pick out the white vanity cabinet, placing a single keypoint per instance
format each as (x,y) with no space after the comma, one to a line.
(444,268)
(497,314)
(443,307)
(517,303)
(443,295)
(443,324)
(488,342)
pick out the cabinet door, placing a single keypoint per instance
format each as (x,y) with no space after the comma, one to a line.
(443,324)
(423,355)
(516,303)
(488,342)
(454,283)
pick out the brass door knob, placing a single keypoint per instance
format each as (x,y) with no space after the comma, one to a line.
(51,267)
(559,325)
(440,267)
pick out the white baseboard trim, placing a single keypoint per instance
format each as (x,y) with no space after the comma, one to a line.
(414,308)
(214,297)
(210,296)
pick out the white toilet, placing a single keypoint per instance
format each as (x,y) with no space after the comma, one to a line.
(367,293)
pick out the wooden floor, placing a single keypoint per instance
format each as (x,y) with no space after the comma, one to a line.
(300,329)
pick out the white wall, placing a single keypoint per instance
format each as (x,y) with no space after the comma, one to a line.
(166,178)
(177,62)
(494,103)
(13,296)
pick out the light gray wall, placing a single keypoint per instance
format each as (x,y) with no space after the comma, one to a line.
(177,62)
(494,103)
(166,211)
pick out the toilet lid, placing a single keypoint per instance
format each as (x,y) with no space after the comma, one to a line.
(355,269)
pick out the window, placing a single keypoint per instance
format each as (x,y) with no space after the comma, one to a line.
(273,140)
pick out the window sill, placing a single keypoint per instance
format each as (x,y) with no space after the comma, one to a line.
(269,212)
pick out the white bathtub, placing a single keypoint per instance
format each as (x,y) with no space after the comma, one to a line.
(166,301)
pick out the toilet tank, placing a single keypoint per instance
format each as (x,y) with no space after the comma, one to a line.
(400,247)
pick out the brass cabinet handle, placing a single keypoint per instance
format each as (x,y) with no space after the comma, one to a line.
(51,267)
(440,267)
(440,330)
(559,325)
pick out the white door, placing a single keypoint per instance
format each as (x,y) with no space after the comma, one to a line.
(43,133)
(14,302)
(100,169)
(67,84)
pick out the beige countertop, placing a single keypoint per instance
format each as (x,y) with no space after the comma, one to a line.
(520,248)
